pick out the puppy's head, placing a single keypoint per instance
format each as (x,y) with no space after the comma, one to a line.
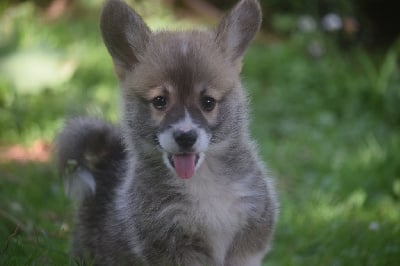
(181,91)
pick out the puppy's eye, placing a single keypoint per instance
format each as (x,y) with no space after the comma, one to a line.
(160,102)
(208,103)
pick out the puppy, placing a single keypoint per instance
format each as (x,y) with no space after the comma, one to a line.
(180,181)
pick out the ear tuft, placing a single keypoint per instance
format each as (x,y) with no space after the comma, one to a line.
(238,28)
(124,33)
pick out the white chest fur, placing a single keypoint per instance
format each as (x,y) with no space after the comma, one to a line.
(216,206)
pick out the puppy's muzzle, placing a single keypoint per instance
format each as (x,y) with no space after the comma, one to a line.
(185,139)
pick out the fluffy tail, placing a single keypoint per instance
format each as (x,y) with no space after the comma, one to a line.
(89,155)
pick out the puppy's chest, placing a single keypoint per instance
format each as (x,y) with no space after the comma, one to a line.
(218,209)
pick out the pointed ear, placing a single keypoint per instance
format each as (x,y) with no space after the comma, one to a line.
(238,28)
(124,33)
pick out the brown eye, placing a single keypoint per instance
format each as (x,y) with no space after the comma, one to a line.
(208,103)
(159,102)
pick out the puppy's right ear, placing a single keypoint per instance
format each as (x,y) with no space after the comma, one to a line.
(238,28)
(124,33)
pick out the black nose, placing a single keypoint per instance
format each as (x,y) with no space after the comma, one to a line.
(185,139)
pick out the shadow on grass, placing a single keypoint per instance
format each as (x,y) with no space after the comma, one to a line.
(35,215)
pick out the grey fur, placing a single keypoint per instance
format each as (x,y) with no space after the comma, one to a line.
(140,212)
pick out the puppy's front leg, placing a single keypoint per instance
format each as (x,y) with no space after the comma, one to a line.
(179,248)
(253,242)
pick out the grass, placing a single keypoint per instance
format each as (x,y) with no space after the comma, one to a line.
(328,128)
(332,141)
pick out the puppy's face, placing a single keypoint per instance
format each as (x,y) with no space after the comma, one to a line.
(182,83)
(181,90)
(183,126)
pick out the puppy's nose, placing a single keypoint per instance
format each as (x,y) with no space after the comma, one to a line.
(185,139)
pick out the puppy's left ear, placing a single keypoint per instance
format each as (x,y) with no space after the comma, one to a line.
(125,34)
(238,28)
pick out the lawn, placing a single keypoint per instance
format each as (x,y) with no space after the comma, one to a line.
(328,127)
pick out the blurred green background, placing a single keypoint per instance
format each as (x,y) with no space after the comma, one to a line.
(324,82)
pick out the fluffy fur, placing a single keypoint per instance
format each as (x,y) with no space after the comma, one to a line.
(181,95)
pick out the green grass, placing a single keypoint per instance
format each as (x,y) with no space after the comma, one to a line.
(330,136)
(328,127)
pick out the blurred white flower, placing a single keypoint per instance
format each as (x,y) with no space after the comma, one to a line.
(374,226)
(306,24)
(331,22)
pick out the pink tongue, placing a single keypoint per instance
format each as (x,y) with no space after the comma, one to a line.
(184,165)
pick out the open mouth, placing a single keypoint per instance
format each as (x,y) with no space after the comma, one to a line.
(184,164)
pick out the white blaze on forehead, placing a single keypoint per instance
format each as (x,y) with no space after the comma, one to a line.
(186,124)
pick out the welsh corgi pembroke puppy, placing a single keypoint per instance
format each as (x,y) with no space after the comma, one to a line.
(179,181)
